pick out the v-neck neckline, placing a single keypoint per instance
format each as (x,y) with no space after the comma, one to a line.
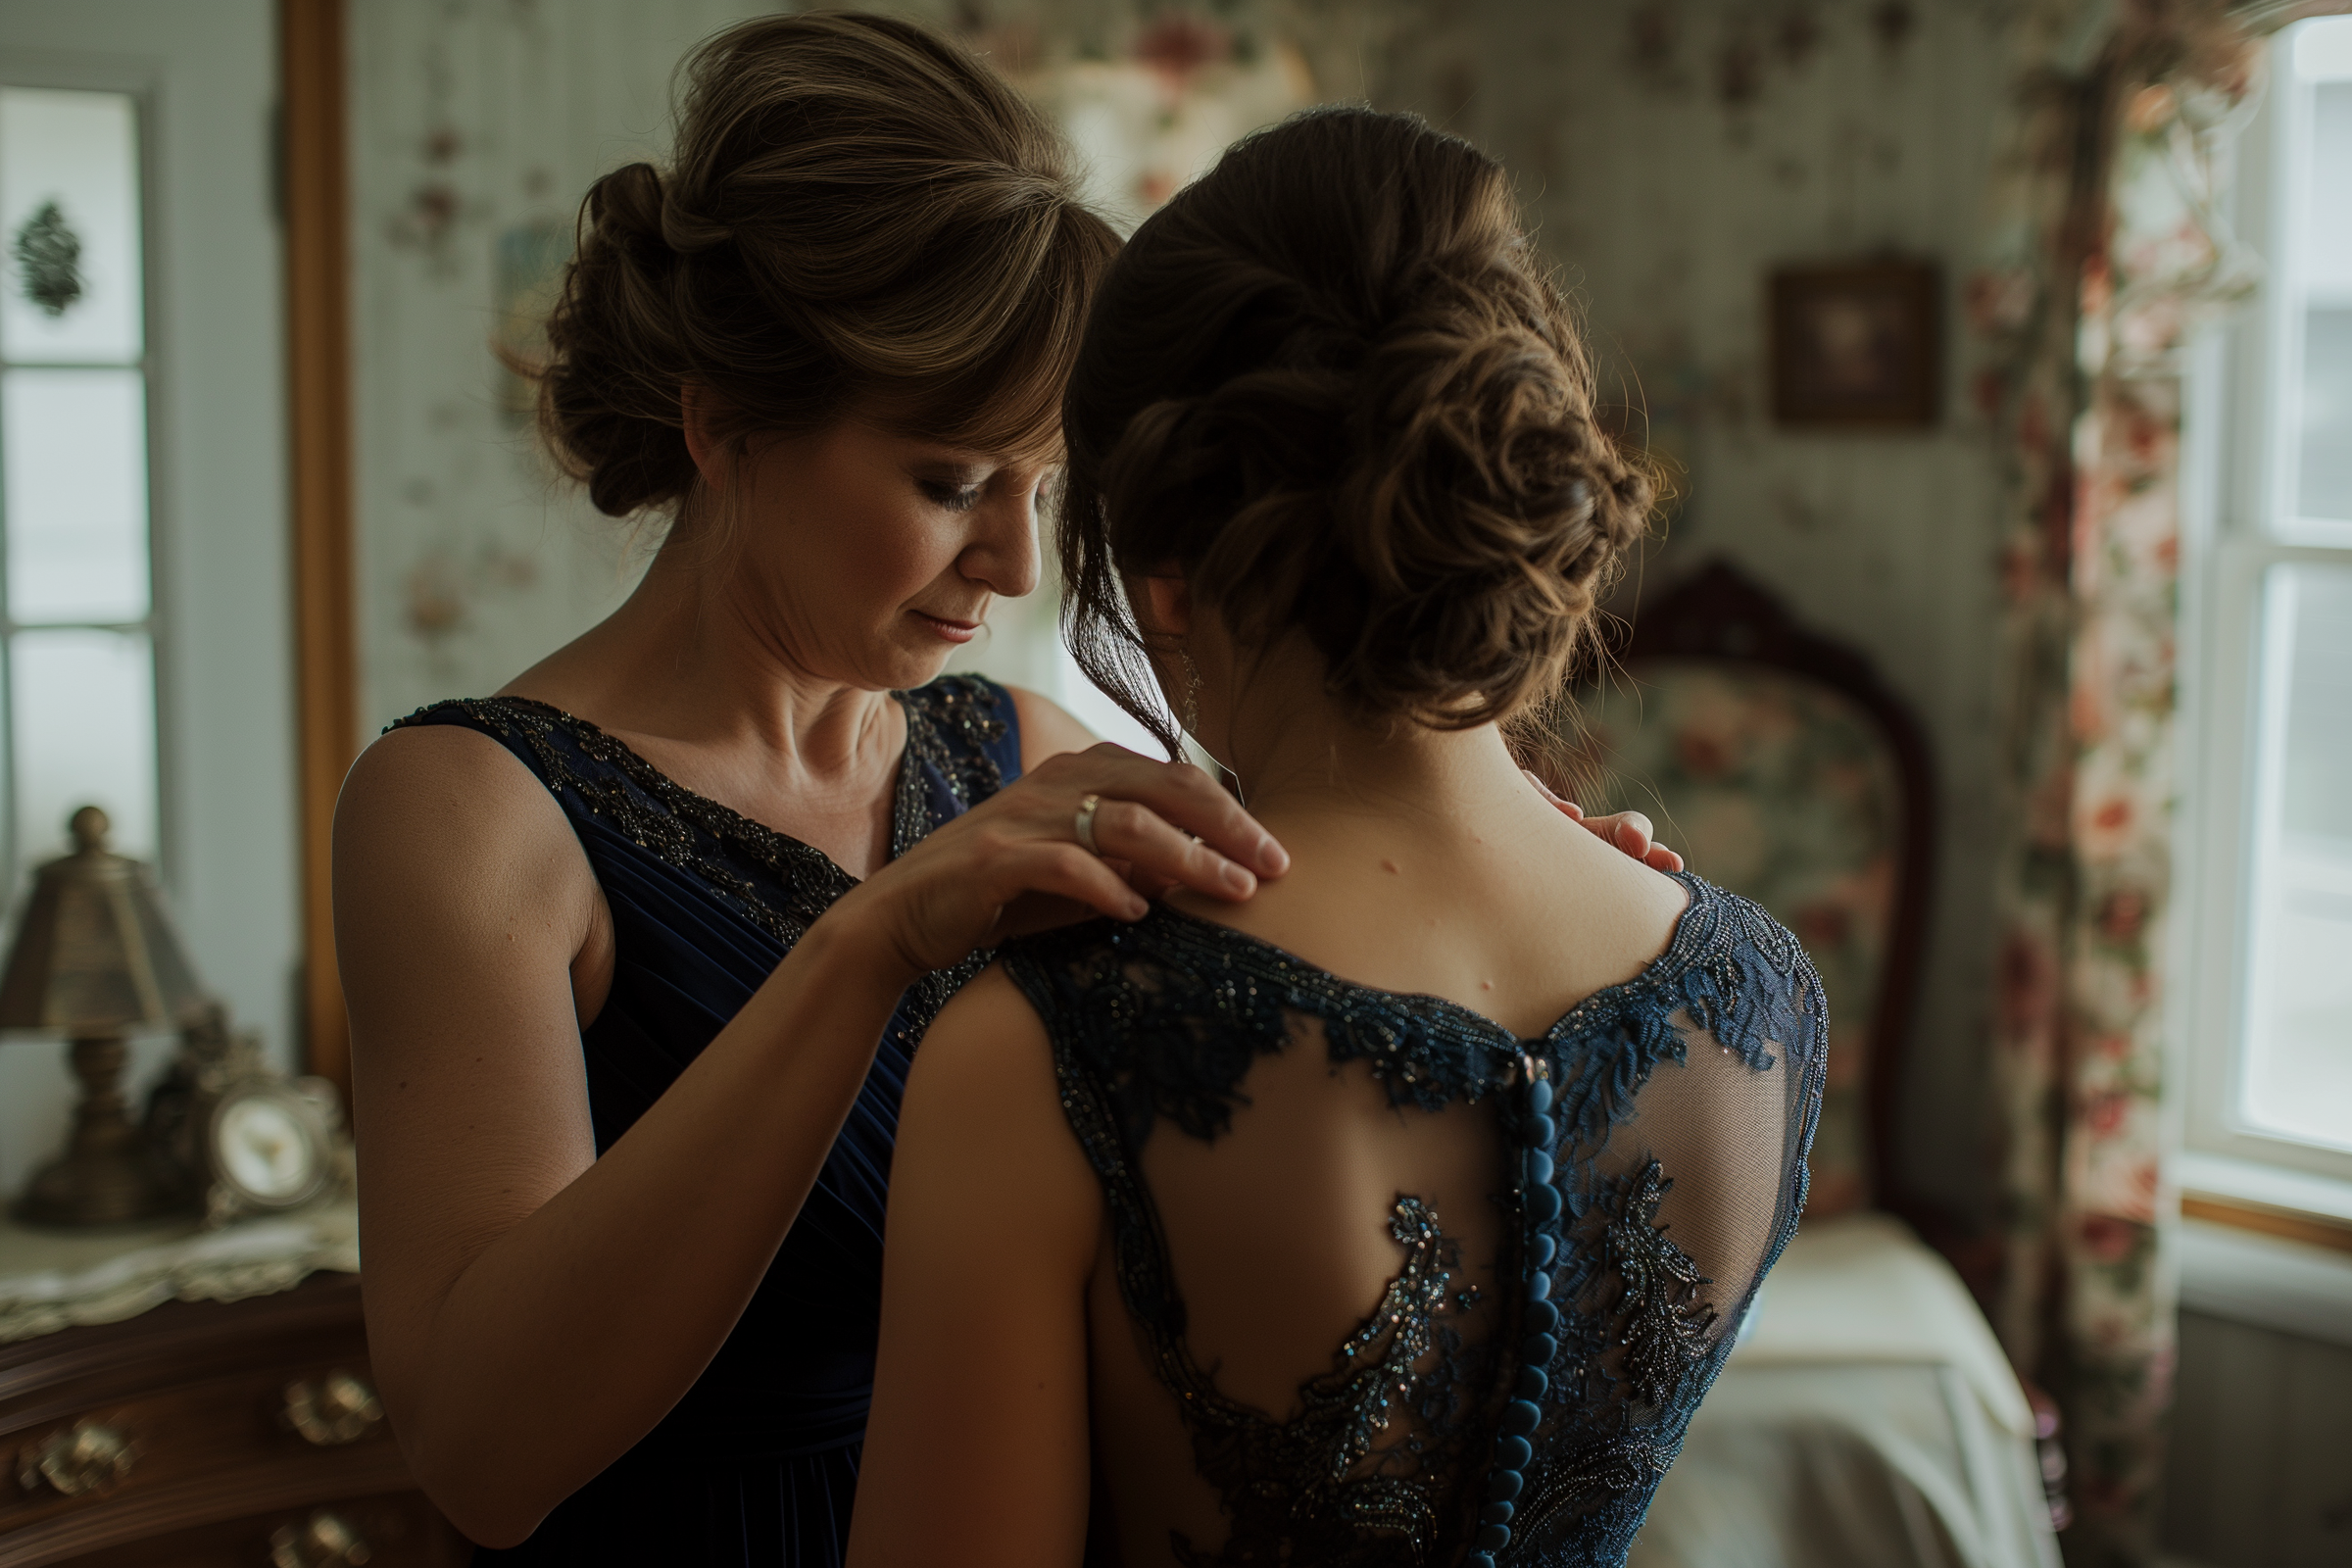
(905,786)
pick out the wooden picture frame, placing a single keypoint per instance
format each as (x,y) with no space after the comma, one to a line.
(1857,346)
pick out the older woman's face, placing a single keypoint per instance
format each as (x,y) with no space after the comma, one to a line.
(869,557)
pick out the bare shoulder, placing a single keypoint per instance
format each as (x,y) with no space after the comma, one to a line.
(443,825)
(441,783)
(1637,908)
(986,1053)
(1047,729)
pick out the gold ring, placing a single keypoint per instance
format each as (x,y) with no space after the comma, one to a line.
(1086,823)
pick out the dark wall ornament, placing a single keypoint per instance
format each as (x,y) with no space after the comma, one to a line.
(49,258)
(1857,345)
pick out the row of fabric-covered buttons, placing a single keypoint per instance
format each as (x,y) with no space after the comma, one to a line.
(1539,1213)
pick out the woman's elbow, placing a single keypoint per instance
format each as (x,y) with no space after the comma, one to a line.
(482,1497)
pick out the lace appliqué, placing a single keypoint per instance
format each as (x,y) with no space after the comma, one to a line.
(1322,1506)
(1163,1019)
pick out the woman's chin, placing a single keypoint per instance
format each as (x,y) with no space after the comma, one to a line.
(910,667)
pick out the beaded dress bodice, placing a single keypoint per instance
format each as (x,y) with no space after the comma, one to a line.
(756,1465)
(1653,1168)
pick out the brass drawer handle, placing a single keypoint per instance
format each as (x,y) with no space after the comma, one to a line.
(331,1410)
(76,1461)
(321,1541)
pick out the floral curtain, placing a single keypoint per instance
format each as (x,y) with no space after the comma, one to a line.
(2111,250)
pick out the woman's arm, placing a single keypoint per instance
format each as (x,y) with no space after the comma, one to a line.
(534,1309)
(976,1453)
(1047,729)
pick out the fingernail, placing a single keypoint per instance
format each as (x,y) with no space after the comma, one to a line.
(1273,857)
(1239,880)
(1137,908)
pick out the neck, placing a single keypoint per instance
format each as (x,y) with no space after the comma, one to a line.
(681,661)
(1298,760)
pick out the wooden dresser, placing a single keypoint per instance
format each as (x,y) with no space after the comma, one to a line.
(241,1435)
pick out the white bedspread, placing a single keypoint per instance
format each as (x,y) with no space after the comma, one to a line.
(1870,1420)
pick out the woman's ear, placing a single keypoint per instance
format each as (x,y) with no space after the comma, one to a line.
(1167,601)
(695,408)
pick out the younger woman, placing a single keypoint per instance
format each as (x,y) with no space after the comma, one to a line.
(1402,1214)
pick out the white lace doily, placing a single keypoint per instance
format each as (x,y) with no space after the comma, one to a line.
(52,1280)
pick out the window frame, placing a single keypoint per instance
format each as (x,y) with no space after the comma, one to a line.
(2236,461)
(41,73)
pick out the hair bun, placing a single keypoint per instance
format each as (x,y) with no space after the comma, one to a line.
(1480,508)
(1330,381)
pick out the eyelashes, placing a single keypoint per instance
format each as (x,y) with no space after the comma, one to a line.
(950,497)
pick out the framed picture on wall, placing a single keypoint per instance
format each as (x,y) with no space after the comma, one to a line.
(1857,345)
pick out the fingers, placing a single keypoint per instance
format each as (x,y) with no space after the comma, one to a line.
(1158,857)
(1630,832)
(1574,812)
(1067,872)
(1182,795)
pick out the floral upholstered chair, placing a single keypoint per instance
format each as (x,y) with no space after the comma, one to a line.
(1784,771)
(1868,1415)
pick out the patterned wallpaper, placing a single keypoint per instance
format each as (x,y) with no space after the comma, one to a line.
(1672,150)
(477,126)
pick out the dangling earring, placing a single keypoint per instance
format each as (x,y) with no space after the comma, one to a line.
(1190,718)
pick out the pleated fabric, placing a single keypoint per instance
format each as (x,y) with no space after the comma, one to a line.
(756,1465)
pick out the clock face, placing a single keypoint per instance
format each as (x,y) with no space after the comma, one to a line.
(266,1146)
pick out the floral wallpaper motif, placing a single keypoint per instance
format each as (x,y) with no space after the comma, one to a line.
(1154,119)
(1784,792)
(2114,249)
(476,127)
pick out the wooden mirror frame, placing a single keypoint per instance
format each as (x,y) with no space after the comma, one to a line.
(315,177)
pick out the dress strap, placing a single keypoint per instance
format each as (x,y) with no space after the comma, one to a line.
(963,735)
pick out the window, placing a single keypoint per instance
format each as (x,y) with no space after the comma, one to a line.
(2270,926)
(76,601)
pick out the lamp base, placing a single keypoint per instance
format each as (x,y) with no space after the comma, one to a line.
(108,1175)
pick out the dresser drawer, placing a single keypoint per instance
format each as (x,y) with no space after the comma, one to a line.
(207,1425)
(396,1531)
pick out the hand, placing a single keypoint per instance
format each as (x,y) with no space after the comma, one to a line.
(1625,830)
(1013,864)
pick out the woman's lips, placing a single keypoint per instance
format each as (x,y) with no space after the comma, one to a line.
(953,631)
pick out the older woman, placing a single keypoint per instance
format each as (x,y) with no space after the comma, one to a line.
(638,950)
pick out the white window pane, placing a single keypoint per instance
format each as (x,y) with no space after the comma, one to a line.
(2324,481)
(2324,49)
(2298,1062)
(74,447)
(2324,239)
(83,734)
(69,215)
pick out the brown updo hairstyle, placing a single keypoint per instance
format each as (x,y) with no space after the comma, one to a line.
(1332,385)
(861,219)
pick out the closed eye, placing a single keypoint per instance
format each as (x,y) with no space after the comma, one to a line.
(950,496)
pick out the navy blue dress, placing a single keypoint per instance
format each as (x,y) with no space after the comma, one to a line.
(756,1465)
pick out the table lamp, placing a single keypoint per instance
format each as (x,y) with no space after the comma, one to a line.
(94,957)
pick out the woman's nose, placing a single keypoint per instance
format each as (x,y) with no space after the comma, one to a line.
(1004,553)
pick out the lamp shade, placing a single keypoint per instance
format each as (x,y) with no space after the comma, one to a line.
(94,953)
